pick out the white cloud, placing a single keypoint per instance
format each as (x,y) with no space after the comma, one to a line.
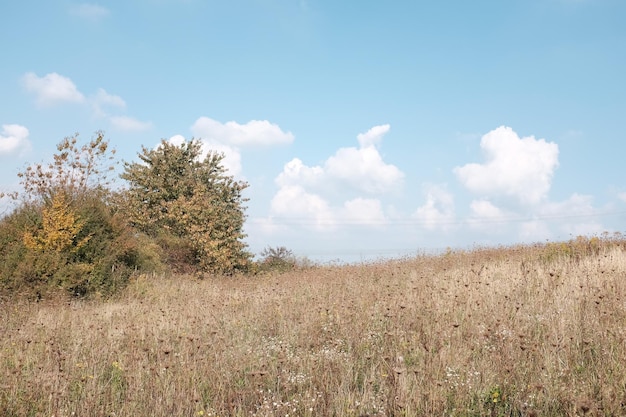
(295,172)
(547,220)
(52,88)
(363,212)
(562,220)
(232,156)
(534,231)
(129,124)
(574,216)
(253,133)
(485,210)
(488,218)
(175,140)
(13,138)
(361,169)
(364,169)
(292,203)
(303,190)
(516,167)
(89,11)
(575,205)
(373,136)
(102,97)
(622,196)
(438,210)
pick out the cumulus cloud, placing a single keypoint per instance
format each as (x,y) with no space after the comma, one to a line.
(363,212)
(485,210)
(373,136)
(13,138)
(253,133)
(438,210)
(52,88)
(294,203)
(364,169)
(303,190)
(89,11)
(516,167)
(361,169)
(232,156)
(130,124)
(295,172)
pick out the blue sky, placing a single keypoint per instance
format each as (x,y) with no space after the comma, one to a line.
(365,128)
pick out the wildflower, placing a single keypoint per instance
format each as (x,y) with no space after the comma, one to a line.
(495,396)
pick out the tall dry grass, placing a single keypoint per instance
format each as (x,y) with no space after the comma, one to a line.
(527,331)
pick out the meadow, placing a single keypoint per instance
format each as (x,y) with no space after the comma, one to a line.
(513,331)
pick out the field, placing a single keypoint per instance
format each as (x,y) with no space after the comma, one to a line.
(518,331)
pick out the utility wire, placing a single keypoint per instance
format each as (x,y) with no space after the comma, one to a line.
(307,221)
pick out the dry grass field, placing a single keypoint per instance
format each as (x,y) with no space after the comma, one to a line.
(522,331)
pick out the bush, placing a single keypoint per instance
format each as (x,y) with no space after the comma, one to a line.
(99,259)
(66,234)
(278,259)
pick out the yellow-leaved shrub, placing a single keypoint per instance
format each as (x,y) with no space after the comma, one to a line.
(59,229)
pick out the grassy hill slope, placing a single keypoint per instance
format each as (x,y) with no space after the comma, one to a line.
(522,331)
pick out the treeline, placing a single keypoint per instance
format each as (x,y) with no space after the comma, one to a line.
(72,231)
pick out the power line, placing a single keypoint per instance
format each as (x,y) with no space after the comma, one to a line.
(307,221)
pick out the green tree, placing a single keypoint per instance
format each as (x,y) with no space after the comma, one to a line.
(175,194)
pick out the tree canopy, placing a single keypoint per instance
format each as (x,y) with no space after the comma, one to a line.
(175,193)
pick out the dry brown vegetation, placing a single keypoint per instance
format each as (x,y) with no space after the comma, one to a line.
(524,331)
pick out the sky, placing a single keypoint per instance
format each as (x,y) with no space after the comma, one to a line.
(365,129)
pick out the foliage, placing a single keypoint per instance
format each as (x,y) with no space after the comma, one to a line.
(179,197)
(60,227)
(74,170)
(66,234)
